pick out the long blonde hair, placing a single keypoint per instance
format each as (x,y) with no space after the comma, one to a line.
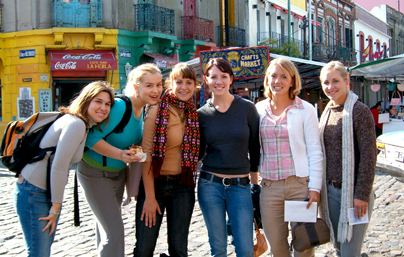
(79,105)
(135,76)
(287,65)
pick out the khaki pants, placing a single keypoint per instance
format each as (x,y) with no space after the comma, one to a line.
(272,200)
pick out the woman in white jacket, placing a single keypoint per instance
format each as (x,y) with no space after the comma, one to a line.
(292,160)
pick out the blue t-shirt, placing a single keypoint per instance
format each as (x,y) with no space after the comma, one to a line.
(132,134)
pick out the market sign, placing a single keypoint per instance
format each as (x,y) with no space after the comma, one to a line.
(248,62)
(83,60)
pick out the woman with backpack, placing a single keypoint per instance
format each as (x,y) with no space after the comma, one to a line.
(101,172)
(37,214)
(169,172)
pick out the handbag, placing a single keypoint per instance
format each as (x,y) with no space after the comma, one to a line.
(306,235)
(395,100)
(261,246)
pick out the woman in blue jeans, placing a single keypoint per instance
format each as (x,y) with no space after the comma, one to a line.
(39,215)
(171,142)
(229,136)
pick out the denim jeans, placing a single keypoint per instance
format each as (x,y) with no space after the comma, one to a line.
(352,248)
(178,201)
(31,204)
(215,199)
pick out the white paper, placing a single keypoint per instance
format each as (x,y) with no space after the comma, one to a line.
(142,156)
(355,221)
(295,211)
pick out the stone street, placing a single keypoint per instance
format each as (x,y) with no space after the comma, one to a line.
(385,235)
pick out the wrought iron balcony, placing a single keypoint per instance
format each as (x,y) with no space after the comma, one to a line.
(197,28)
(325,53)
(231,36)
(77,14)
(1,17)
(150,17)
(277,43)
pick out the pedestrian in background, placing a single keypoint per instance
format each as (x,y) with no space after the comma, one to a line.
(292,160)
(229,136)
(38,215)
(171,142)
(104,185)
(349,145)
(376,110)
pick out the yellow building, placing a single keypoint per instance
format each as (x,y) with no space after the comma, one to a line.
(29,81)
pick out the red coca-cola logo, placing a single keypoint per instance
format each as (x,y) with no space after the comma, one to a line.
(65,66)
(83,57)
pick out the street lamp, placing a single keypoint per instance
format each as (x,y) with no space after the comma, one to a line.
(128,68)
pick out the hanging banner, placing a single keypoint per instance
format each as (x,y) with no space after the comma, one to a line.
(247,62)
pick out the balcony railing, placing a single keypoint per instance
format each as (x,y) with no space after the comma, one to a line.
(197,28)
(77,14)
(276,41)
(235,36)
(1,17)
(150,17)
(325,53)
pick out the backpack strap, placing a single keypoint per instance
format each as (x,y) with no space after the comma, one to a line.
(122,124)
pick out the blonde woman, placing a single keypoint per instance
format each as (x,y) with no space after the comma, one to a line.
(102,170)
(291,167)
(349,145)
(37,214)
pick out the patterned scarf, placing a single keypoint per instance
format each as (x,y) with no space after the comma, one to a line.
(190,141)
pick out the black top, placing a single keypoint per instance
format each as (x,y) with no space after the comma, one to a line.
(231,139)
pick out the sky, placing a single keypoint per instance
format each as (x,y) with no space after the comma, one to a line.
(369,4)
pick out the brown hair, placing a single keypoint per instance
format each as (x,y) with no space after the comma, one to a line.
(184,69)
(135,76)
(222,65)
(79,105)
(288,66)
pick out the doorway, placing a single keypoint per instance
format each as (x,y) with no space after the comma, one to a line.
(65,90)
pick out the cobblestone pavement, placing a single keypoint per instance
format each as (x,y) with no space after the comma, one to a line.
(385,235)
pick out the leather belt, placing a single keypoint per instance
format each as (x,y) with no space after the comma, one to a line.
(226,181)
(335,184)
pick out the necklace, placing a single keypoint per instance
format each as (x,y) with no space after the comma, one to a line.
(182,117)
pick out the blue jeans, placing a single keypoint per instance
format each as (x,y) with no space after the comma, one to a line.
(215,199)
(353,247)
(31,203)
(178,201)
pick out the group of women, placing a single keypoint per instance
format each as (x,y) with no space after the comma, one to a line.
(332,162)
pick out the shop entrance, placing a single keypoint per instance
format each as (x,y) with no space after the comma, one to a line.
(65,90)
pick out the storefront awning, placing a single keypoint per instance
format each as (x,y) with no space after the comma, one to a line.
(162,61)
(82,60)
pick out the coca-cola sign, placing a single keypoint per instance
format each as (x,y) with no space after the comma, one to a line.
(83,57)
(83,60)
(65,66)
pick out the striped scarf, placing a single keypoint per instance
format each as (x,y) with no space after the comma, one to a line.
(190,142)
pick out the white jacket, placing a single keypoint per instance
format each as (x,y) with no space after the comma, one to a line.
(304,140)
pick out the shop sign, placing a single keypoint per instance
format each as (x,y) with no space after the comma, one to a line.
(248,62)
(27,53)
(299,16)
(94,60)
(125,53)
(45,100)
(27,80)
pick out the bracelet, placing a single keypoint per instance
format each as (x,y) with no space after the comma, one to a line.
(52,212)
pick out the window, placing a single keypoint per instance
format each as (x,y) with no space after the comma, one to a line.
(320,31)
(331,31)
